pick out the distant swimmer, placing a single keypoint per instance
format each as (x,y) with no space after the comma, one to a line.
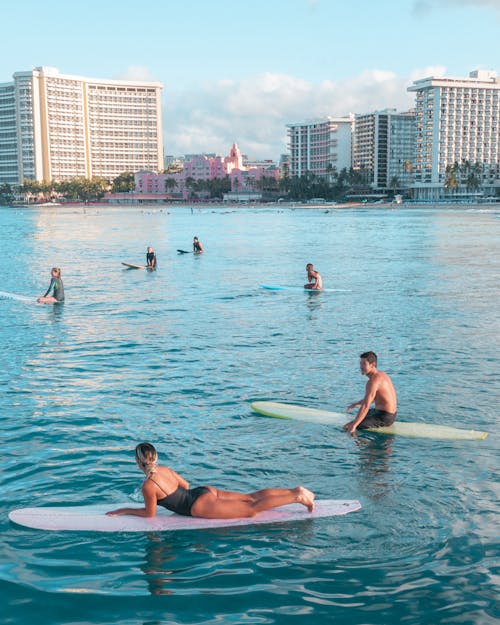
(57,288)
(151,258)
(379,390)
(166,488)
(197,246)
(314,278)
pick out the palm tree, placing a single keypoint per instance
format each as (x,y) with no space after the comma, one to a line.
(474,180)
(170,184)
(408,170)
(451,181)
(394,184)
(331,173)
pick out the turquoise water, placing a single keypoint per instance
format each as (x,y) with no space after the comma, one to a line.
(175,356)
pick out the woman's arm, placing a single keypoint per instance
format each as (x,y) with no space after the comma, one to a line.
(51,286)
(149,510)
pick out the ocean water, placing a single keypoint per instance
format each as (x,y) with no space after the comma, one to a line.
(176,356)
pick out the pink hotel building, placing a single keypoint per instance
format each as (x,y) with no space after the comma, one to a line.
(203,168)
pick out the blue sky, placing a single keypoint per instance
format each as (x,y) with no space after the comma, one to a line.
(236,71)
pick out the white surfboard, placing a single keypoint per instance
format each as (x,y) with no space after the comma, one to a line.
(93,518)
(402,428)
(18,298)
(131,266)
(277,287)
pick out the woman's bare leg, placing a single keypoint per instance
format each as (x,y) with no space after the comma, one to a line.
(211,506)
(47,300)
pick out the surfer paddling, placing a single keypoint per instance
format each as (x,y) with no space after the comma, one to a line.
(315,281)
(164,487)
(57,288)
(150,258)
(379,390)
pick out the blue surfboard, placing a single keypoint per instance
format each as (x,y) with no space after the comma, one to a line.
(277,287)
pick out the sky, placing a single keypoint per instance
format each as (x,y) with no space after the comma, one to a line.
(241,71)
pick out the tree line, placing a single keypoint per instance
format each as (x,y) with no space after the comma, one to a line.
(464,174)
(335,186)
(78,189)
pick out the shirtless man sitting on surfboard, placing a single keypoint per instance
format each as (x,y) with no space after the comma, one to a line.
(379,389)
(314,277)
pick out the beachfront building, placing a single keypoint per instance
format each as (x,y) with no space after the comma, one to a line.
(9,135)
(56,127)
(320,146)
(384,149)
(197,169)
(458,136)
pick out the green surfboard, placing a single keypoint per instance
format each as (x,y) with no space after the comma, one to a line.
(400,428)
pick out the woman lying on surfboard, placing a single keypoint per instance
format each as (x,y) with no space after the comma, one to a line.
(164,487)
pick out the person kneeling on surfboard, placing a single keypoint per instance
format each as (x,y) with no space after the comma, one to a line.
(379,389)
(57,288)
(164,487)
(314,278)
(197,246)
(150,258)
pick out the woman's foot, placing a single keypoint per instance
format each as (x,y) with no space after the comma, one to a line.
(305,497)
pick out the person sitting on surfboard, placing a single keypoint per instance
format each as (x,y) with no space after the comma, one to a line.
(164,487)
(379,389)
(197,246)
(314,277)
(57,288)
(151,258)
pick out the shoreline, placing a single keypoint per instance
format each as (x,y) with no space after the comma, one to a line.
(326,207)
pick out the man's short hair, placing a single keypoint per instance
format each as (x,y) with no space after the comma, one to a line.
(371,357)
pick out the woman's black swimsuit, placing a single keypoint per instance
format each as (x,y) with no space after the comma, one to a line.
(182,499)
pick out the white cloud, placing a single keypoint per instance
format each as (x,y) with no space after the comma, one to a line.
(137,72)
(490,4)
(254,111)
(424,7)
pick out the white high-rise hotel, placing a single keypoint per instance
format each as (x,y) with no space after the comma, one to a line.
(320,146)
(458,120)
(383,143)
(55,127)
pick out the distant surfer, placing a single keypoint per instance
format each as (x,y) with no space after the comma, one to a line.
(151,259)
(56,288)
(314,278)
(379,390)
(197,246)
(164,487)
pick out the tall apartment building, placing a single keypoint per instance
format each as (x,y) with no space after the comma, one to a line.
(383,145)
(55,126)
(458,120)
(317,146)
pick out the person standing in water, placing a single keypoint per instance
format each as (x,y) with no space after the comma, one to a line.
(379,390)
(151,258)
(164,487)
(315,281)
(57,288)
(197,246)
